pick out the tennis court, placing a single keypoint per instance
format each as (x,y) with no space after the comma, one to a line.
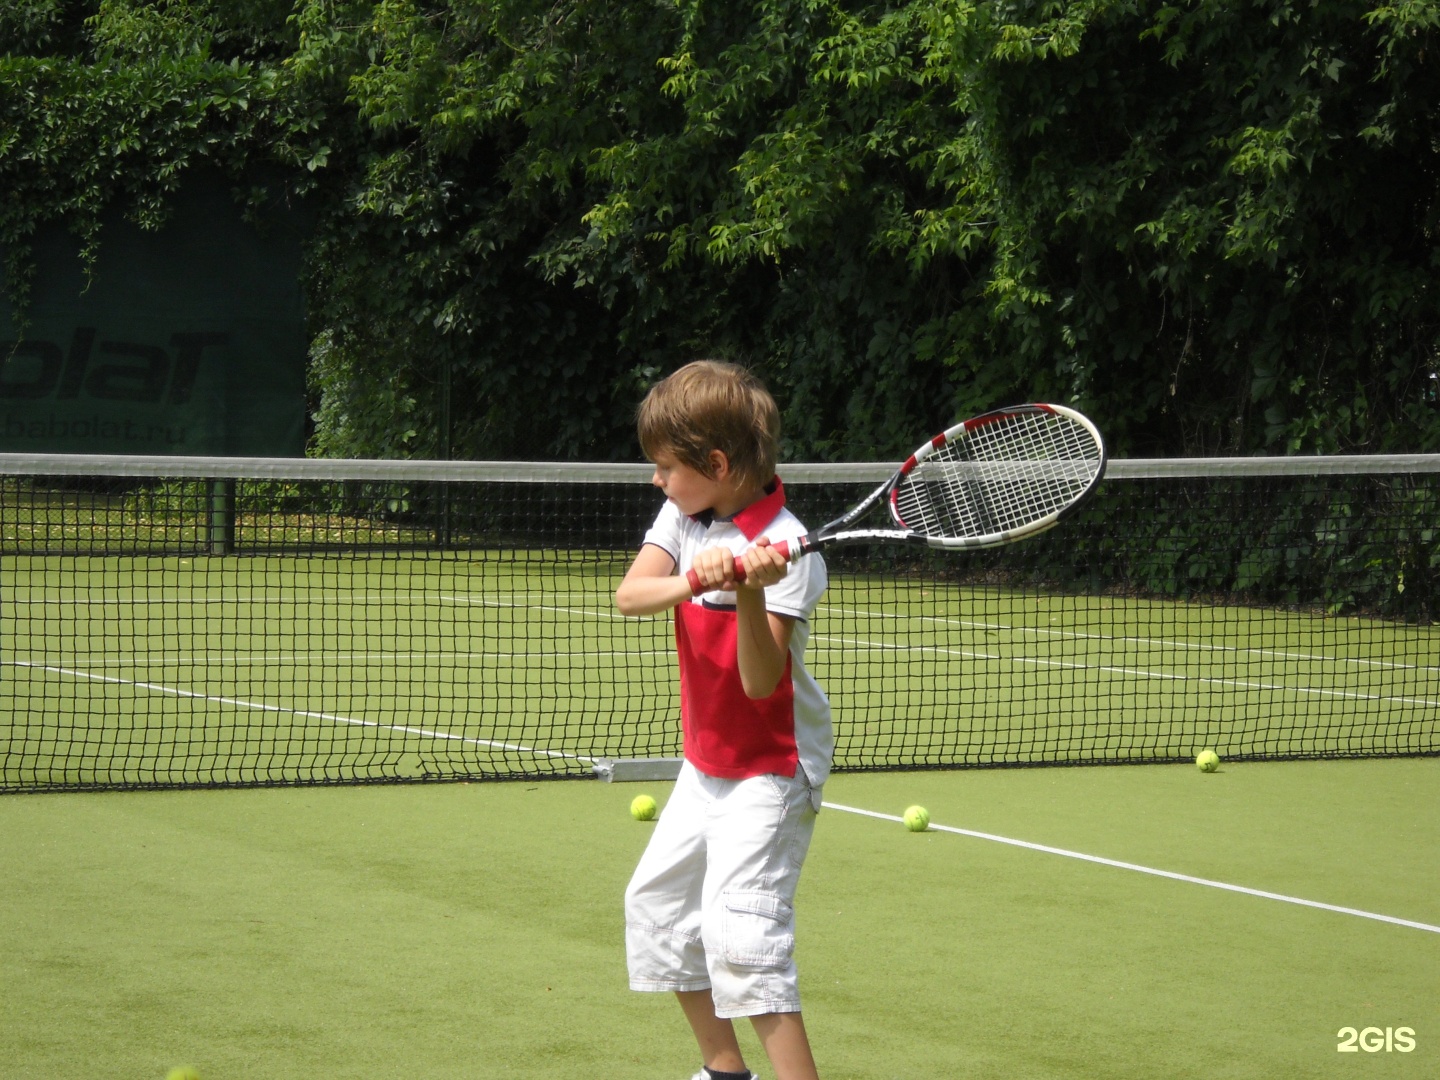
(475,929)
(308,635)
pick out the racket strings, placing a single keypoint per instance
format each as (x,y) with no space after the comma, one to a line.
(1004,475)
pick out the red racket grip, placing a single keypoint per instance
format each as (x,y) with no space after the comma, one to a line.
(783,547)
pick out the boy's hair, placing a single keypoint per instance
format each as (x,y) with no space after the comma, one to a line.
(710,405)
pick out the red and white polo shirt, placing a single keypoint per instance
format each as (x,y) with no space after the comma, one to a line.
(726,733)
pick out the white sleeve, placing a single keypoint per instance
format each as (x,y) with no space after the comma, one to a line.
(798,593)
(664,533)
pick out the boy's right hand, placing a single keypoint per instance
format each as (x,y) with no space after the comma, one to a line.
(717,568)
(713,568)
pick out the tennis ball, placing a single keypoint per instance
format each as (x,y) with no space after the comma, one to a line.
(917,819)
(1207,761)
(182,1072)
(642,808)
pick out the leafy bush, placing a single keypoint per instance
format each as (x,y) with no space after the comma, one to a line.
(1211,225)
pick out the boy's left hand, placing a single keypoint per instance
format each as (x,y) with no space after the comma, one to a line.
(763,565)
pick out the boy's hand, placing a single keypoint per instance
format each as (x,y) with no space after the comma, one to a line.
(763,565)
(714,568)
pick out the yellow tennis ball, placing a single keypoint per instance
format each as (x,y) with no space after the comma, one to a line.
(642,808)
(917,819)
(182,1072)
(1207,761)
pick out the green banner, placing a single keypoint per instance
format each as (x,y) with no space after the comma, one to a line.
(187,340)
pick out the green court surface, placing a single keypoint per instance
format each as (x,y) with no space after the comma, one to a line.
(134,671)
(474,930)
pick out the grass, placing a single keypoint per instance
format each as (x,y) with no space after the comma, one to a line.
(474,929)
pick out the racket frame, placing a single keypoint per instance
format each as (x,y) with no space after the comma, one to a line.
(837,532)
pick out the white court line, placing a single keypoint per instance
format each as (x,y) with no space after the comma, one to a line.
(1164,676)
(521,600)
(320,596)
(226,660)
(509,601)
(1169,643)
(1172,875)
(1139,673)
(308,714)
(506,602)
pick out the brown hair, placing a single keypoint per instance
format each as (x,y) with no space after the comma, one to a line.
(711,405)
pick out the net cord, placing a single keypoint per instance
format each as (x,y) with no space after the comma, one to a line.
(242,468)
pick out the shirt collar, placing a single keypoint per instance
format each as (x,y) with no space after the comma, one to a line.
(752,520)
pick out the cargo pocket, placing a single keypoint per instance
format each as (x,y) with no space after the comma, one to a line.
(759,931)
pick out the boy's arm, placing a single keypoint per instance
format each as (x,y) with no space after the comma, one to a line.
(651,584)
(763,642)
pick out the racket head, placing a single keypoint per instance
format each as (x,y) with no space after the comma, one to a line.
(998,477)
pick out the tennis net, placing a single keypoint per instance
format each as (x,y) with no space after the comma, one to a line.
(188,621)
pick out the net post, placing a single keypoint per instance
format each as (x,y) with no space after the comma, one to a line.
(220,518)
(632,770)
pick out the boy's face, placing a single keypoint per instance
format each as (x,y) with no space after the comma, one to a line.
(689,489)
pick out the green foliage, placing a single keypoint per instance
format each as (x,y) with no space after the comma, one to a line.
(113,110)
(1360,544)
(1212,225)
(30,25)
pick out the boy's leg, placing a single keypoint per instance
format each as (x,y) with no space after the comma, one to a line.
(662,902)
(786,1045)
(760,834)
(719,1049)
(782,1035)
(663,921)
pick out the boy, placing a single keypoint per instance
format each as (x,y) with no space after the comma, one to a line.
(708,913)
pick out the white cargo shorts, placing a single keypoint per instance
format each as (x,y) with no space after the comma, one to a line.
(711,903)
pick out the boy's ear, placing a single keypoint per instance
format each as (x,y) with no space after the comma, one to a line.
(719,464)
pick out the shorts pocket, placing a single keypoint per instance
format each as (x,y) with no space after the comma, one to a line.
(759,930)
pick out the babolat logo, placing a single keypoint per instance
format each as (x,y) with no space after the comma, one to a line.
(94,367)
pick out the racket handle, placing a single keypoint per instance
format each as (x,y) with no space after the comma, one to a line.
(783,547)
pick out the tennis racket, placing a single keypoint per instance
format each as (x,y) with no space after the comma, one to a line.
(994,479)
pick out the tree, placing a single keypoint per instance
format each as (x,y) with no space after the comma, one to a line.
(1212,225)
